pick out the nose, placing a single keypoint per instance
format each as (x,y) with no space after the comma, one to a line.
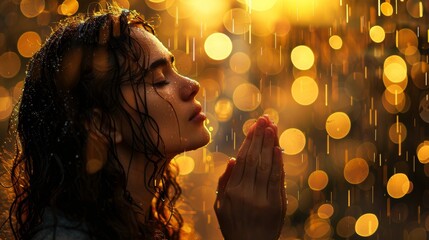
(189,88)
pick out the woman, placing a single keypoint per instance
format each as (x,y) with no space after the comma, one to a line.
(103,111)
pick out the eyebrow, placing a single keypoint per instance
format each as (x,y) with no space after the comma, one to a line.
(161,62)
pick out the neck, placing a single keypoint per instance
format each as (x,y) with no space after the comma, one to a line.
(138,173)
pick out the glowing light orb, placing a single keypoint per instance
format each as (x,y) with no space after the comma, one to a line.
(237,21)
(292,205)
(406,38)
(70,7)
(386,8)
(377,34)
(32,8)
(247,124)
(356,171)
(239,62)
(302,57)
(366,225)
(335,42)
(325,211)
(28,44)
(318,180)
(186,164)
(246,97)
(395,72)
(338,125)
(218,46)
(346,226)
(273,114)
(10,64)
(292,140)
(317,228)
(398,185)
(6,105)
(223,109)
(423,152)
(305,90)
(397,132)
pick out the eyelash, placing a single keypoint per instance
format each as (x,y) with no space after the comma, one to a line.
(161,83)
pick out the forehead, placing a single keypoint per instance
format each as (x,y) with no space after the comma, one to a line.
(150,43)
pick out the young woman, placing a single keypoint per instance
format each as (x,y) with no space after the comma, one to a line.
(103,111)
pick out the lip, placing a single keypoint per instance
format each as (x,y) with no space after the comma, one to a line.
(198,115)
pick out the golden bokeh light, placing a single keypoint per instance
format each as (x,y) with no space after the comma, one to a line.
(209,90)
(302,57)
(218,46)
(247,124)
(5,104)
(32,8)
(335,42)
(338,125)
(356,170)
(239,62)
(366,225)
(317,228)
(423,152)
(29,43)
(386,8)
(295,165)
(10,64)
(395,72)
(398,185)
(305,90)
(415,9)
(397,132)
(318,180)
(186,164)
(325,211)
(246,97)
(419,72)
(70,7)
(292,140)
(346,226)
(223,109)
(406,38)
(377,34)
(237,21)
(273,114)
(292,205)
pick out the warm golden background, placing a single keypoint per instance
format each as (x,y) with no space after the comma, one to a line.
(345,80)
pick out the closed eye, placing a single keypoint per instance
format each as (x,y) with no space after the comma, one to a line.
(160,84)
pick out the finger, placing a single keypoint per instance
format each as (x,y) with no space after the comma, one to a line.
(275,183)
(237,171)
(223,180)
(254,153)
(264,168)
(274,126)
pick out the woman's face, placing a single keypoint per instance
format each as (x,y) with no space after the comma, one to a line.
(170,100)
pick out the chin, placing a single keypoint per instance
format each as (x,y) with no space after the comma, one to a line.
(198,141)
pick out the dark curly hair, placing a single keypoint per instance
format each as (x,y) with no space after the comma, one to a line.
(64,84)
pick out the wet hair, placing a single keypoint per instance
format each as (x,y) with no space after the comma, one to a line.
(81,67)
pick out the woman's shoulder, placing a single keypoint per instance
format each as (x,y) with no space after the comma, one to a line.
(58,227)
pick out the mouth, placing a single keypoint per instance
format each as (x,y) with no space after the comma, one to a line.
(197,115)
